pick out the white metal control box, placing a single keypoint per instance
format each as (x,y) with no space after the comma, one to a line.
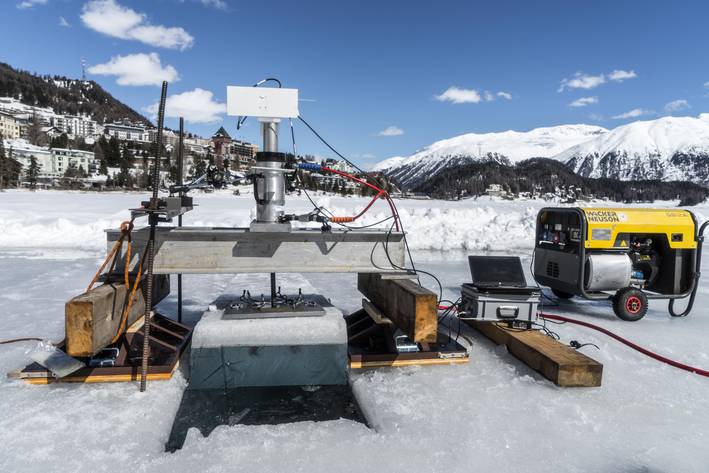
(262,102)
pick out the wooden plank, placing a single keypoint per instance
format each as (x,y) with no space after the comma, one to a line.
(561,364)
(92,319)
(411,307)
(396,363)
(378,360)
(116,378)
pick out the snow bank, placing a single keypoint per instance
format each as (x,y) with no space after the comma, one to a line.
(477,228)
(431,225)
(76,221)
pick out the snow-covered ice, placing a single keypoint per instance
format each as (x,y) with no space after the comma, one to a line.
(491,414)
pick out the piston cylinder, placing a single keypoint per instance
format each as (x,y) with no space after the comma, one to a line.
(608,272)
(269,186)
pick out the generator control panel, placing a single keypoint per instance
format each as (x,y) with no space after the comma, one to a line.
(561,231)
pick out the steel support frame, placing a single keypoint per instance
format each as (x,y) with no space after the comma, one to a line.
(206,250)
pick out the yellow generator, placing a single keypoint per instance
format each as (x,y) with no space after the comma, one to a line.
(626,255)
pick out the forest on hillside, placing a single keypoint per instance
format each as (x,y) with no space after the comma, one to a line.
(541,176)
(65,96)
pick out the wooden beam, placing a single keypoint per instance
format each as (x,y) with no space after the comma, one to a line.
(409,306)
(357,363)
(561,364)
(93,319)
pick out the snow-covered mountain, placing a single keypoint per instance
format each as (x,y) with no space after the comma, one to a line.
(668,148)
(504,147)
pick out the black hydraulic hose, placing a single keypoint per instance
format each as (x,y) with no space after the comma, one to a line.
(697,275)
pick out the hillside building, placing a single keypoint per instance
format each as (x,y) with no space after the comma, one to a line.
(76,126)
(239,153)
(53,162)
(221,142)
(242,152)
(9,126)
(126,132)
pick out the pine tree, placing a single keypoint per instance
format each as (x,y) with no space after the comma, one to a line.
(103,168)
(61,141)
(72,172)
(9,168)
(34,132)
(32,173)
(199,168)
(113,154)
(172,174)
(2,161)
(124,177)
(127,158)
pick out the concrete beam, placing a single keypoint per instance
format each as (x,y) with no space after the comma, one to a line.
(195,250)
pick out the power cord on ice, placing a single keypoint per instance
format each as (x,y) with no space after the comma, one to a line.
(577,345)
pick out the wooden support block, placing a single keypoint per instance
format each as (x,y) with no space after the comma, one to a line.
(92,319)
(164,361)
(409,306)
(561,364)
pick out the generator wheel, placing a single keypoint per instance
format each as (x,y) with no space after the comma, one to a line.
(562,294)
(630,304)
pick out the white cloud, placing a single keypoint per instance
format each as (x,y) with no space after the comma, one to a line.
(581,80)
(31,3)
(137,69)
(634,113)
(620,75)
(706,85)
(595,117)
(457,95)
(218,4)
(677,105)
(112,19)
(163,37)
(584,101)
(196,106)
(391,131)
(63,22)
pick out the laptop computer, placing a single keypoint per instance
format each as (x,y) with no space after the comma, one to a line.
(497,272)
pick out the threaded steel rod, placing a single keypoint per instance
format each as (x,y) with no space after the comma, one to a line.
(153,220)
(180,167)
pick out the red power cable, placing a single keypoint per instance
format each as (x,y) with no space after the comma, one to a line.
(381,193)
(632,345)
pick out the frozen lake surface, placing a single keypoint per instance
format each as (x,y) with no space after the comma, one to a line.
(493,414)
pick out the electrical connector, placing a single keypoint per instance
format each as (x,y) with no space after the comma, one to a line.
(310,166)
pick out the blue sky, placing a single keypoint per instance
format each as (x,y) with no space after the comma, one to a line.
(416,72)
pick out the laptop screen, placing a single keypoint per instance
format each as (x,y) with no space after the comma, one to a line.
(497,270)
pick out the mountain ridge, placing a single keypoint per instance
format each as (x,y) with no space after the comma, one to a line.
(667,148)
